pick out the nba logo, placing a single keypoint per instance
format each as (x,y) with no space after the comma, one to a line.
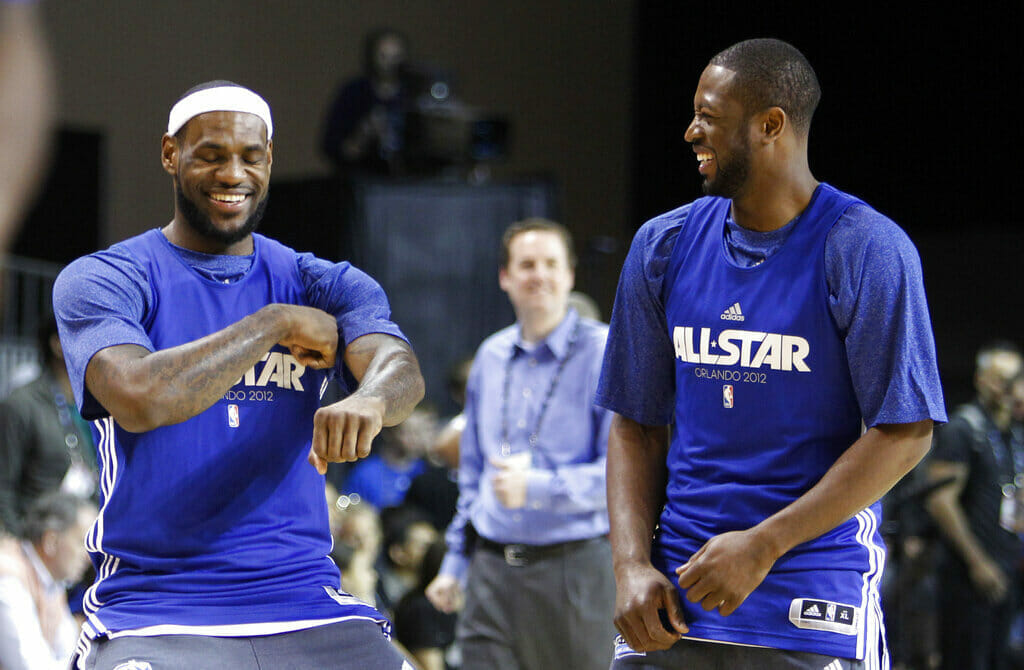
(830,612)
(727,396)
(233,416)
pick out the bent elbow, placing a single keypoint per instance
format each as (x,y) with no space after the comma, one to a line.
(136,418)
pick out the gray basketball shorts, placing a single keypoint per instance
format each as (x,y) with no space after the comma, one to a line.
(358,644)
(688,654)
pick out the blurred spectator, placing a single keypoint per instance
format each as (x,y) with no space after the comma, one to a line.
(1017,404)
(356,534)
(408,533)
(909,588)
(365,127)
(528,551)
(979,513)
(45,445)
(37,631)
(383,478)
(436,489)
(428,634)
(358,574)
(26,110)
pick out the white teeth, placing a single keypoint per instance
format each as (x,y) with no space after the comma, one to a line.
(227,197)
(701,157)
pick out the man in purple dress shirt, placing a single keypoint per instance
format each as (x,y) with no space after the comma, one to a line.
(528,549)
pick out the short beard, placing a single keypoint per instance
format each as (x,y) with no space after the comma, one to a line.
(732,178)
(202,224)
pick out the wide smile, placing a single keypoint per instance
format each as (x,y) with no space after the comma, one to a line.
(705,159)
(229,203)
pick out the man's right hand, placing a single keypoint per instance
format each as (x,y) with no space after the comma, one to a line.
(312,336)
(445,594)
(641,594)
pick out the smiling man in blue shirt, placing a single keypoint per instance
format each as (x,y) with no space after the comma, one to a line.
(772,369)
(529,539)
(200,350)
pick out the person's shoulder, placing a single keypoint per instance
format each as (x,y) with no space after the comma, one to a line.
(499,340)
(117,257)
(496,345)
(654,241)
(665,223)
(593,331)
(12,563)
(968,417)
(29,394)
(862,226)
(356,86)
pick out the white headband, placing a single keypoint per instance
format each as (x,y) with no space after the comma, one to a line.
(218,99)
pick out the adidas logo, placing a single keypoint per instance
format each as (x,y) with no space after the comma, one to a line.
(834,665)
(812,611)
(734,313)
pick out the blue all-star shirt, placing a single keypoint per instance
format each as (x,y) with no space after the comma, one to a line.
(765,352)
(216,525)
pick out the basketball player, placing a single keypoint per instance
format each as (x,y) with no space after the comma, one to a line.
(762,324)
(201,350)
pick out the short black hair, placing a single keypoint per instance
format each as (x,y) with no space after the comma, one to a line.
(396,522)
(773,73)
(215,83)
(54,511)
(536,223)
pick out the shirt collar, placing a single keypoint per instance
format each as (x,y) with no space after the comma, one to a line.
(45,578)
(557,340)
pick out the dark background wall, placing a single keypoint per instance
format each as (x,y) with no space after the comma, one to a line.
(561,71)
(919,116)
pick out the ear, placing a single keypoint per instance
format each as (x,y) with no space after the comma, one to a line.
(270,153)
(773,123)
(169,153)
(503,279)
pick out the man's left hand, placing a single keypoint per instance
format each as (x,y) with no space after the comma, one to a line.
(344,431)
(509,484)
(725,571)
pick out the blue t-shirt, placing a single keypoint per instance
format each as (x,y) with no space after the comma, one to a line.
(754,347)
(876,297)
(216,525)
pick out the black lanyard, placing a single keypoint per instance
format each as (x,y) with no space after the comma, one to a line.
(506,445)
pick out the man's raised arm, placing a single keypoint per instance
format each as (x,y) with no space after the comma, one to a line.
(144,390)
(390,386)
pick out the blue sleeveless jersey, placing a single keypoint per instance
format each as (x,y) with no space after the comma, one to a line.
(764,407)
(220,520)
